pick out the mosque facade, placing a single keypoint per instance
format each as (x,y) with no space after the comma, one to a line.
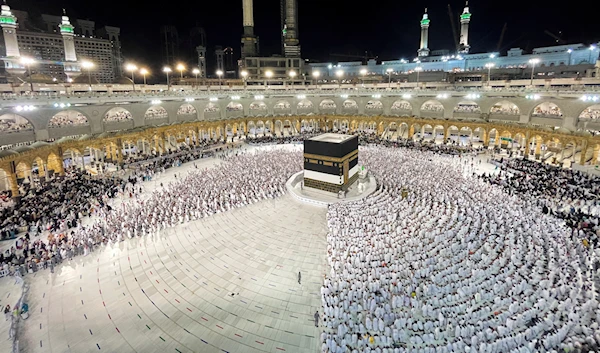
(428,60)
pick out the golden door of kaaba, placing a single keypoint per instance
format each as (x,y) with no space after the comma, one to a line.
(346,170)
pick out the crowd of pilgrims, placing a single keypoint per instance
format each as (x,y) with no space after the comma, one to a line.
(568,194)
(437,260)
(59,206)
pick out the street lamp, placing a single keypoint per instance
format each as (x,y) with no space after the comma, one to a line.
(363,73)
(292,75)
(167,70)
(315,75)
(533,62)
(268,74)
(196,71)
(181,69)
(144,72)
(244,74)
(28,62)
(569,51)
(489,67)
(418,69)
(132,68)
(219,73)
(592,48)
(88,65)
(339,74)
(389,71)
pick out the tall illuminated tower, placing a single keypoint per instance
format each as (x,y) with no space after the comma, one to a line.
(72,67)
(465,18)
(249,40)
(8,22)
(291,44)
(424,50)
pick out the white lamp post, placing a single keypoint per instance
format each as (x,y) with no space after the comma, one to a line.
(363,73)
(389,72)
(292,76)
(196,72)
(268,74)
(88,65)
(132,68)
(418,69)
(181,68)
(167,70)
(28,62)
(144,72)
(533,62)
(219,73)
(244,74)
(315,75)
(339,74)
(489,67)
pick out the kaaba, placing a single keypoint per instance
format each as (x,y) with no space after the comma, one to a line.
(330,162)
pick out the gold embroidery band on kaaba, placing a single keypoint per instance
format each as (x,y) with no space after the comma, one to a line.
(351,156)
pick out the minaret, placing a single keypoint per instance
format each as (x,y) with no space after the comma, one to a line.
(8,22)
(291,44)
(465,18)
(424,50)
(72,67)
(249,40)
(201,60)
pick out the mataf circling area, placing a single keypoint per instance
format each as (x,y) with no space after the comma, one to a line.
(436,259)
(226,283)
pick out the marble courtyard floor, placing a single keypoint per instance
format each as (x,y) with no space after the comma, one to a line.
(227,283)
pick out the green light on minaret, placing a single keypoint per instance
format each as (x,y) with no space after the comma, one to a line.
(66,28)
(425,21)
(465,16)
(10,20)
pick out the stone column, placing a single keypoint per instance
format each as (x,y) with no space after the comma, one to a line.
(14,187)
(538,148)
(583,153)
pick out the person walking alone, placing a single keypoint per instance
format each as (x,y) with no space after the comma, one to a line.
(299,277)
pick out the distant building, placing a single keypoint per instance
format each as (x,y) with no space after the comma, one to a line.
(169,43)
(428,61)
(45,43)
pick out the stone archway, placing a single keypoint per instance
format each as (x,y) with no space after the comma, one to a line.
(327,106)
(349,106)
(401,108)
(234,109)
(156,112)
(503,108)
(67,119)
(282,107)
(258,108)
(374,107)
(305,107)
(547,110)
(467,109)
(212,111)
(432,108)
(117,115)
(187,112)
(11,123)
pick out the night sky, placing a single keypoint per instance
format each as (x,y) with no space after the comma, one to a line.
(387,29)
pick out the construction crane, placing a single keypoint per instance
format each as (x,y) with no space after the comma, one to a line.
(367,56)
(501,38)
(454,32)
(558,38)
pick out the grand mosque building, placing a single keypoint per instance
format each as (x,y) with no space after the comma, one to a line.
(432,204)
